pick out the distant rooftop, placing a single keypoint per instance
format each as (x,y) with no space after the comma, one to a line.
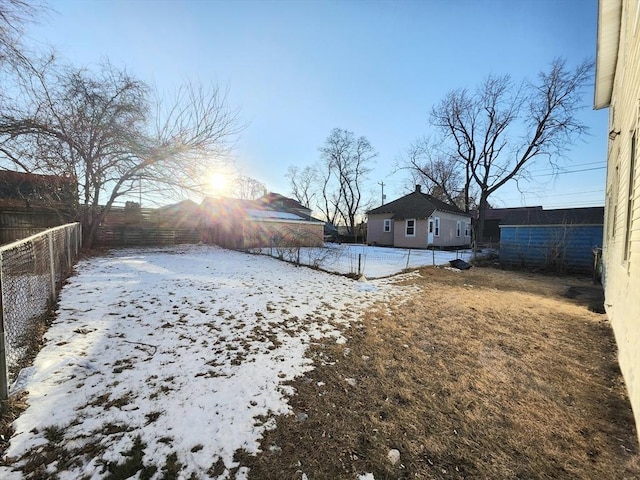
(562,216)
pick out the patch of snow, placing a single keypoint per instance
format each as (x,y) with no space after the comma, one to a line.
(242,473)
(374,262)
(393,456)
(453,269)
(257,214)
(190,348)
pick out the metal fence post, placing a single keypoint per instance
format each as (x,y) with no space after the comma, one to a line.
(4,383)
(52,265)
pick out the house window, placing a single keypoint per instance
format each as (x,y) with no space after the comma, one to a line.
(387,224)
(410,230)
(436,226)
(458,228)
(632,175)
(467,229)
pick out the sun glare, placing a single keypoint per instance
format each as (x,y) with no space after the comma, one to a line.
(218,182)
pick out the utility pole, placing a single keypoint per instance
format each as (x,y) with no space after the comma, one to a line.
(383,195)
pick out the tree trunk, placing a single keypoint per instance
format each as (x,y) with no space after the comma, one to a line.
(482,207)
(467,186)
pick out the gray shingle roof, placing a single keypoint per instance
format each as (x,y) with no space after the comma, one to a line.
(562,216)
(415,205)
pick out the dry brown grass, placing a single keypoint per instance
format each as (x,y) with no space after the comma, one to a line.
(481,374)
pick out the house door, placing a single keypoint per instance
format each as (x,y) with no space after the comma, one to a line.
(430,232)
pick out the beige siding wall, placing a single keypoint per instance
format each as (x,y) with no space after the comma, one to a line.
(283,234)
(375,230)
(237,233)
(447,237)
(448,231)
(400,239)
(622,217)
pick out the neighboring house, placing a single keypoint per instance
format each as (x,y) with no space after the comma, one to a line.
(493,218)
(418,220)
(562,240)
(181,215)
(242,224)
(618,87)
(331,233)
(280,202)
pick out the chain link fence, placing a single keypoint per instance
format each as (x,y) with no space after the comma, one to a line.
(31,273)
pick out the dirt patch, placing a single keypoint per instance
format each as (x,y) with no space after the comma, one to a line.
(479,374)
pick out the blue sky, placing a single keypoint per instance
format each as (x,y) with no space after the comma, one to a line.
(297,69)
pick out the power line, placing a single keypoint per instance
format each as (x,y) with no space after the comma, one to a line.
(569,171)
(590,203)
(575,193)
(542,195)
(599,162)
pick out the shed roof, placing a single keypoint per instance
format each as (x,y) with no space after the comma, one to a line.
(275,199)
(561,216)
(500,213)
(255,210)
(415,205)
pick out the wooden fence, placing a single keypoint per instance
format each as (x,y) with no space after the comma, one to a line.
(132,235)
(18,223)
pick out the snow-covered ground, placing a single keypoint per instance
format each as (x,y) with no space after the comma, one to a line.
(373,262)
(185,350)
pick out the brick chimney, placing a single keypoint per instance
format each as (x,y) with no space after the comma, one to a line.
(418,189)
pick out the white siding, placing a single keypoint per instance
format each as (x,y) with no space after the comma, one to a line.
(622,217)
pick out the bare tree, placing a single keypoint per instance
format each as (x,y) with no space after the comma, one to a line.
(497,132)
(106,131)
(14,16)
(345,161)
(439,173)
(303,184)
(329,197)
(248,188)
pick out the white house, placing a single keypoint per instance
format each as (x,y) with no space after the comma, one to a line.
(618,87)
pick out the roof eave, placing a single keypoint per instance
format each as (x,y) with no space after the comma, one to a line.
(608,40)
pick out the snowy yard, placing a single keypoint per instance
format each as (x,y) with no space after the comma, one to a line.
(373,262)
(175,358)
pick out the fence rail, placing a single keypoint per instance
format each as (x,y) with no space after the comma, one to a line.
(130,236)
(31,273)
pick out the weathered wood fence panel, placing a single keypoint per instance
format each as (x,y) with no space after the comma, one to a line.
(131,236)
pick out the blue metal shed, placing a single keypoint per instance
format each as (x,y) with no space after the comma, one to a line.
(562,240)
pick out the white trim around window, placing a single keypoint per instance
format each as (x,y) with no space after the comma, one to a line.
(458,228)
(436,226)
(410,227)
(387,225)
